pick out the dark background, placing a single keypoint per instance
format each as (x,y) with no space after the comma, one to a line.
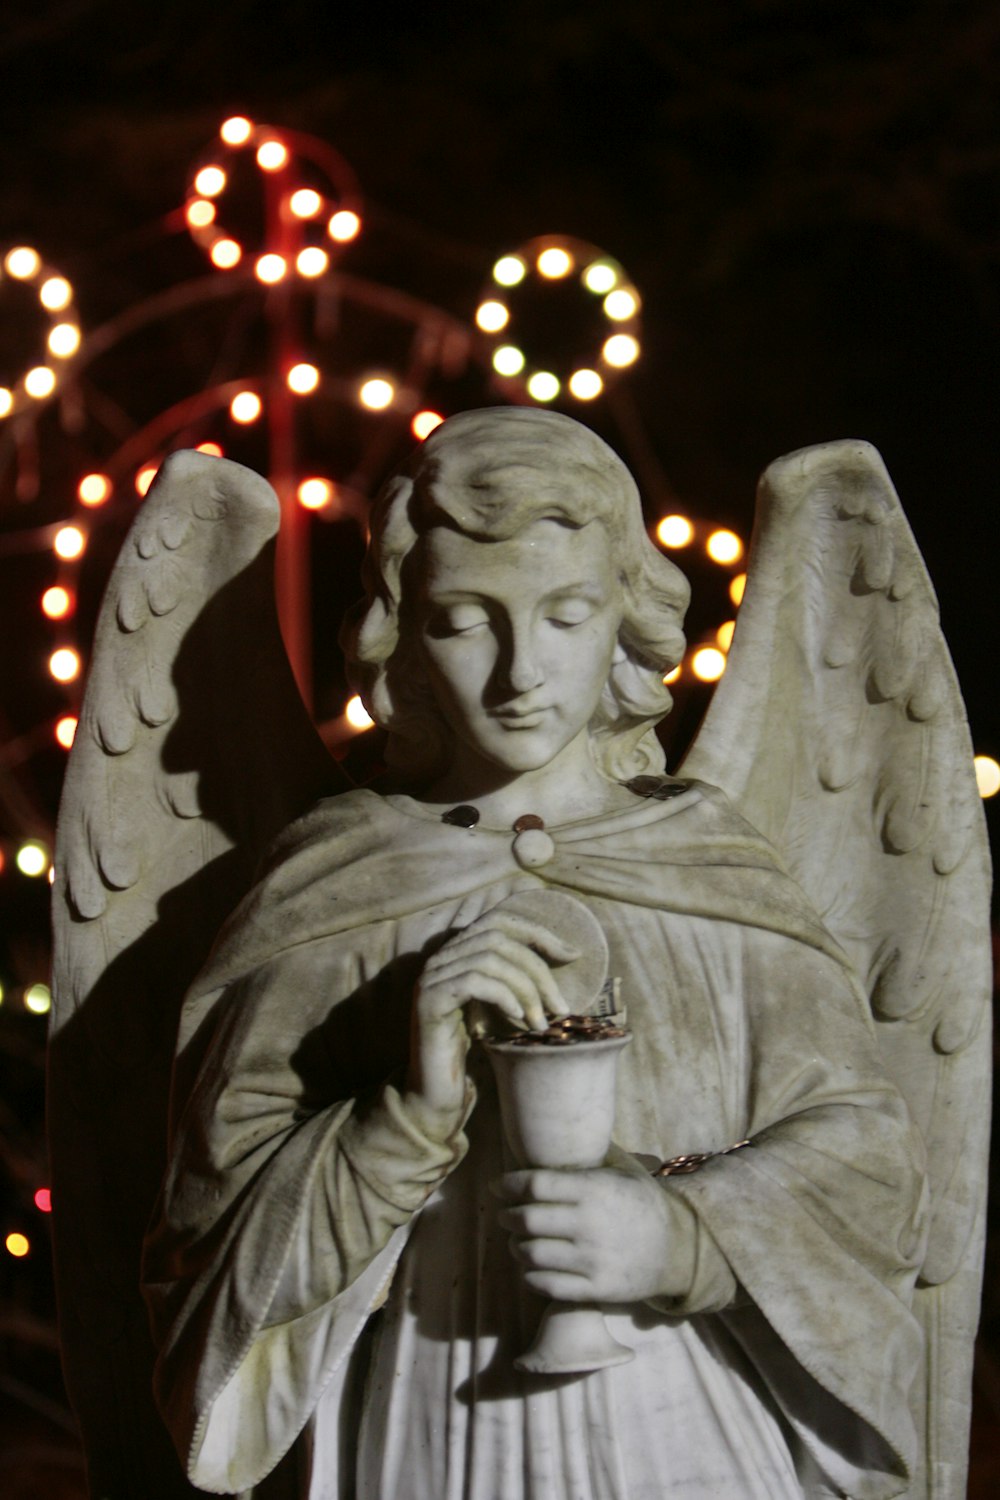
(806,194)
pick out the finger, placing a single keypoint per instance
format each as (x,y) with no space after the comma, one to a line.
(548,1255)
(439,1003)
(537,1185)
(544,1220)
(485,944)
(534,935)
(562,1286)
(465,978)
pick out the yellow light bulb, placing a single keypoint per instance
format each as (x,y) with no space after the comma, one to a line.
(424,423)
(619,305)
(64,340)
(987,775)
(305,203)
(64,664)
(94,489)
(674,531)
(585,385)
(209,182)
(245,407)
(57,602)
(508,360)
(543,386)
(270,269)
(69,543)
(672,676)
(212,449)
(38,999)
(492,316)
(708,664)
(200,213)
(40,382)
(302,379)
(724,547)
(737,588)
(554,262)
(17,1244)
(620,350)
(343,226)
(357,715)
(377,394)
(236,131)
(724,634)
(6,401)
(144,479)
(55,293)
(66,730)
(225,254)
(600,277)
(22,263)
(315,494)
(312,261)
(271,156)
(509,270)
(32,858)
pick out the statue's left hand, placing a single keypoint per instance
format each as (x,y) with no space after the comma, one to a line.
(598,1236)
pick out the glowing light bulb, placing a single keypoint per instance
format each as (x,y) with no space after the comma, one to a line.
(585,385)
(1,994)
(492,316)
(17,1244)
(305,203)
(57,602)
(543,386)
(724,634)
(209,182)
(508,360)
(620,350)
(144,479)
(357,715)
(708,663)
(674,531)
(599,277)
(620,305)
(43,1200)
(724,547)
(64,340)
(55,293)
(377,394)
(38,999)
(424,423)
(64,664)
(22,263)
(554,263)
(94,489)
(672,676)
(343,226)
(6,401)
(271,155)
(32,858)
(236,131)
(737,587)
(200,213)
(509,270)
(66,730)
(315,494)
(212,449)
(40,382)
(69,542)
(312,261)
(987,775)
(245,407)
(225,254)
(270,268)
(302,379)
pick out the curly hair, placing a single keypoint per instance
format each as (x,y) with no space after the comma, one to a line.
(488,474)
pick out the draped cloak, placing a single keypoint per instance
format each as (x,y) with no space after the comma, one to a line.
(327,1286)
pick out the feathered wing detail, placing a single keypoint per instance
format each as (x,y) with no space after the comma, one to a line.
(193,750)
(838,730)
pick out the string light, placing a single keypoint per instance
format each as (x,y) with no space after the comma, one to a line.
(600,277)
(210,181)
(312,261)
(38,999)
(270,268)
(315,494)
(509,270)
(69,543)
(357,715)
(343,226)
(620,350)
(302,378)
(245,407)
(66,730)
(64,341)
(376,394)
(17,1244)
(271,156)
(585,385)
(492,316)
(212,449)
(708,664)
(737,587)
(93,489)
(724,634)
(55,293)
(144,479)
(200,213)
(64,664)
(32,858)
(40,382)
(621,305)
(672,676)
(43,1200)
(22,263)
(236,131)
(6,401)
(554,263)
(987,775)
(543,386)
(508,360)
(424,423)
(305,203)
(57,602)
(724,547)
(225,254)
(674,531)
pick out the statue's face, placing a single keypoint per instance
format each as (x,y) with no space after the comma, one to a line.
(518,638)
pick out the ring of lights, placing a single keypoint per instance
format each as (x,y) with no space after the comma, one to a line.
(23,264)
(556,259)
(302,209)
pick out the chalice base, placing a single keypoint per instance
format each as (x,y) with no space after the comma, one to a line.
(572,1339)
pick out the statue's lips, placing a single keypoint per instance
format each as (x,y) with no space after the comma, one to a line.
(527,718)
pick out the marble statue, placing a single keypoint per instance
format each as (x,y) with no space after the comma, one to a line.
(344,1265)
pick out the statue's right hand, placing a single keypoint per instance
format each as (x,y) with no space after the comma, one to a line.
(502,959)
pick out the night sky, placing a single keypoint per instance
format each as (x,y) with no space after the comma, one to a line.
(807,196)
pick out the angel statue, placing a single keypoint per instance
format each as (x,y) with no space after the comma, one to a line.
(265,1104)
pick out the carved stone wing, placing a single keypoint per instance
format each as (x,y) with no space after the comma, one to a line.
(193,750)
(838,730)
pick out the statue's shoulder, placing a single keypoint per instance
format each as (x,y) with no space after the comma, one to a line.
(337,823)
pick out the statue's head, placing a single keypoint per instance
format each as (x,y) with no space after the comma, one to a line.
(489,476)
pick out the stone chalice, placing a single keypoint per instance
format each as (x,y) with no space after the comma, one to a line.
(557,1104)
